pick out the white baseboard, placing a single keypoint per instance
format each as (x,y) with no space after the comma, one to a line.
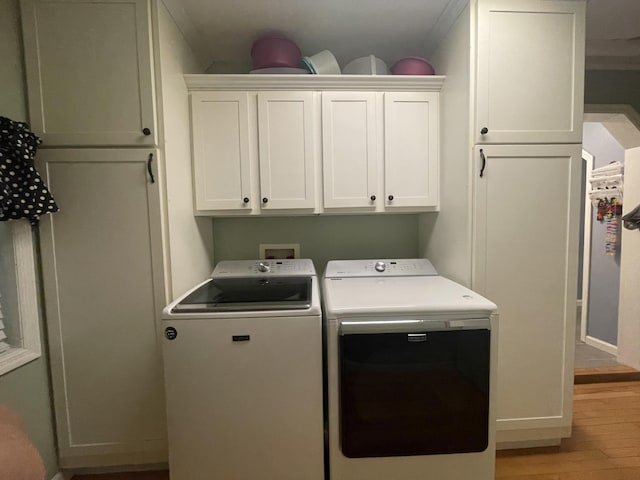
(602,345)
(528,444)
(59,476)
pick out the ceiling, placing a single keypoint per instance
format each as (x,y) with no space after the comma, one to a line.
(613,34)
(222,31)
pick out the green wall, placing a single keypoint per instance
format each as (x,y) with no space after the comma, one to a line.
(321,238)
(613,86)
(27,389)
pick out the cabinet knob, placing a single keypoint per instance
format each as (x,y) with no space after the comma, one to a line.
(245,199)
(146,131)
(390,198)
(265,200)
(373,198)
(484,131)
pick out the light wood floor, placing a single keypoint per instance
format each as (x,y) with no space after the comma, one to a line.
(605,444)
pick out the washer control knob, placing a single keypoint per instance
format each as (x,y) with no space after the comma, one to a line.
(264,267)
(381,266)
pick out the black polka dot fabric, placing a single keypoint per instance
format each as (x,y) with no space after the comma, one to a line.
(23,194)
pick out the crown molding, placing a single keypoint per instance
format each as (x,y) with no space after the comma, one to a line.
(425,83)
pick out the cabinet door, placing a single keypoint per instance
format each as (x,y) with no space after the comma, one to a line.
(530,71)
(222,153)
(411,149)
(89,71)
(103,285)
(287,132)
(349,153)
(527,212)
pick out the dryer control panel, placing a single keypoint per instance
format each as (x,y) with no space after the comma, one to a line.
(376,268)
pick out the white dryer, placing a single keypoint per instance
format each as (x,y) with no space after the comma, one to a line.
(243,374)
(411,360)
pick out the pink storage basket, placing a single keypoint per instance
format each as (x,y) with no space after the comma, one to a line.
(275,51)
(412,66)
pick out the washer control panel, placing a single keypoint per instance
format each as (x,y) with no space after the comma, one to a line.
(375,268)
(253,268)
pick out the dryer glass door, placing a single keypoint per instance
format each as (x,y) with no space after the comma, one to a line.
(417,393)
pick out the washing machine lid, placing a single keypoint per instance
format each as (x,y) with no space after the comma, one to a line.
(420,295)
(258,293)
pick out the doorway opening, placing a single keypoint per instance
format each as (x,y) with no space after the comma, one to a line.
(611,134)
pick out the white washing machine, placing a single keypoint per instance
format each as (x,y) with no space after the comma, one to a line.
(243,374)
(411,360)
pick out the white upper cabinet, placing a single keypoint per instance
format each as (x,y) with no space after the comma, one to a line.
(222,150)
(380,150)
(411,149)
(530,71)
(349,150)
(254,152)
(89,72)
(285,144)
(287,149)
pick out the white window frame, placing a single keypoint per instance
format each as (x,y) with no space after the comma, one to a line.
(28,321)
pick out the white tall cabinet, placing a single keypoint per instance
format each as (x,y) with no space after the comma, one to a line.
(103,284)
(89,65)
(511,196)
(526,216)
(112,255)
(530,71)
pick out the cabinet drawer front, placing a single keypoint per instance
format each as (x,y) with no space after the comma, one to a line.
(349,150)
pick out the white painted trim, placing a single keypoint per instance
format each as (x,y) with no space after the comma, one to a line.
(28,311)
(68,474)
(447,18)
(602,345)
(586,252)
(613,109)
(417,83)
(592,64)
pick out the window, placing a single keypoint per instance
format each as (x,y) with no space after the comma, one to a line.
(18,296)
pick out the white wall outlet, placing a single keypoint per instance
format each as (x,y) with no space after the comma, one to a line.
(274,251)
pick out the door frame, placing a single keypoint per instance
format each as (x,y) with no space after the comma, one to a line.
(586,249)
